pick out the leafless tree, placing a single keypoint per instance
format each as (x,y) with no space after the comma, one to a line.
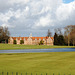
(68,32)
(73,35)
(4,33)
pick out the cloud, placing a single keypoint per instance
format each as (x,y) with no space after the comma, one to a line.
(18,1)
(43,21)
(36,14)
(7,25)
(5,6)
(65,11)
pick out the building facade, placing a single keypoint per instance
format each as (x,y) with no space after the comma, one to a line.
(32,40)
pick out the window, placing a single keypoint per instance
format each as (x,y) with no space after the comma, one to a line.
(39,39)
(24,39)
(20,38)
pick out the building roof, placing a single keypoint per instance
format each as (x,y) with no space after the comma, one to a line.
(33,38)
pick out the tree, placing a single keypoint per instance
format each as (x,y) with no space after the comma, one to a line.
(72,34)
(61,40)
(41,42)
(14,42)
(4,34)
(21,41)
(1,33)
(69,33)
(55,39)
(58,31)
(49,33)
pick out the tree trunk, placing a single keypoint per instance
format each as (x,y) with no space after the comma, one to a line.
(5,41)
(68,40)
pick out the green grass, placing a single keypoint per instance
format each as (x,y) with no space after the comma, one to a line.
(53,62)
(12,46)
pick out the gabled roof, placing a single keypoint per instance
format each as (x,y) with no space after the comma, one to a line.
(33,38)
(52,38)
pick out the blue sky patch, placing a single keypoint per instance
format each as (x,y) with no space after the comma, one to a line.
(67,1)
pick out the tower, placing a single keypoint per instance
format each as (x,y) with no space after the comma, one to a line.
(30,34)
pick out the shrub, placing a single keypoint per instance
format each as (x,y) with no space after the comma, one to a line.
(21,41)
(15,42)
(41,42)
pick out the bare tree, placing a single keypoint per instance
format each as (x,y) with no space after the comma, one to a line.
(58,31)
(73,35)
(4,34)
(67,33)
(1,33)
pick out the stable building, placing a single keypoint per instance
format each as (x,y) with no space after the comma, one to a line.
(32,40)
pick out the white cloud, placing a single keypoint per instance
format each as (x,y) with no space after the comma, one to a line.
(37,14)
(17,14)
(44,21)
(7,25)
(46,9)
(18,1)
(5,17)
(27,8)
(65,11)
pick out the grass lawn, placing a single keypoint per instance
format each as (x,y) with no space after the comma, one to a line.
(52,62)
(12,46)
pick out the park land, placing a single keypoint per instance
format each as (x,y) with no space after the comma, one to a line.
(40,63)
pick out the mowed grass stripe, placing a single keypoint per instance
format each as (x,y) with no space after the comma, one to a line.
(54,62)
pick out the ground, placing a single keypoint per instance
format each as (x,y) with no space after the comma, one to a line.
(40,63)
(12,46)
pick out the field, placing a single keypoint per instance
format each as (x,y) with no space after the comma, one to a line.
(11,46)
(53,62)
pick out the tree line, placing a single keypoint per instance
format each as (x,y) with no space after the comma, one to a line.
(4,34)
(61,37)
(66,38)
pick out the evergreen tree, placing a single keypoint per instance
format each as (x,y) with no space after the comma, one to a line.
(21,41)
(55,39)
(14,42)
(61,40)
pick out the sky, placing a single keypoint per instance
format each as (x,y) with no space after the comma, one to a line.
(23,17)
(67,1)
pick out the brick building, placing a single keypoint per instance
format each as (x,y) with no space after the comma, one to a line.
(32,40)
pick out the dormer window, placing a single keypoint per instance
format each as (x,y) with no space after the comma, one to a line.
(20,39)
(24,39)
(35,39)
(39,39)
(43,39)
(16,39)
